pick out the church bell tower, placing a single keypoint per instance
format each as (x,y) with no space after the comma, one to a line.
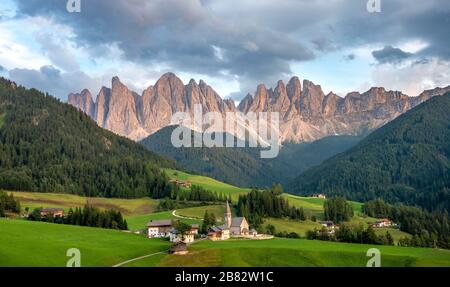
(227,215)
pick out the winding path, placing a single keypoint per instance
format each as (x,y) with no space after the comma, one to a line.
(139,258)
(150,255)
(174,213)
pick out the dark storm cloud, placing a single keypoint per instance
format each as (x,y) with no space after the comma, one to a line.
(390,55)
(248,40)
(183,34)
(349,57)
(51,80)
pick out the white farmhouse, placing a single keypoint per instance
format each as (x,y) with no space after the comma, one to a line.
(159,228)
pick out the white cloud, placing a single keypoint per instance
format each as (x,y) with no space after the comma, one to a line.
(413,78)
(14,54)
(413,46)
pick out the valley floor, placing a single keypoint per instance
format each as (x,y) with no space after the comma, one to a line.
(26,243)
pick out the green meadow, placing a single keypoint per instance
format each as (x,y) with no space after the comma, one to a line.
(66,201)
(396,233)
(194,214)
(27,243)
(198,212)
(314,206)
(288,225)
(280,252)
(208,183)
(139,222)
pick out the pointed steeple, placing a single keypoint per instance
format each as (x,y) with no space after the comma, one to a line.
(227,216)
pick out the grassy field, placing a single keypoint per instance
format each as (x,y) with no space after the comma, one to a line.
(286,225)
(396,233)
(311,206)
(314,206)
(26,243)
(208,183)
(298,252)
(138,222)
(66,201)
(198,212)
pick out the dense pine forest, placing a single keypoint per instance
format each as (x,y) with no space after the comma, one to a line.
(406,161)
(49,146)
(267,203)
(242,166)
(88,216)
(429,229)
(8,203)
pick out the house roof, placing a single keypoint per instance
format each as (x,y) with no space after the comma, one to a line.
(327,222)
(218,228)
(51,209)
(180,246)
(237,221)
(159,223)
(195,226)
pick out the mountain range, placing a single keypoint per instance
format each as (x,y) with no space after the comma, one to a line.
(306,113)
(406,161)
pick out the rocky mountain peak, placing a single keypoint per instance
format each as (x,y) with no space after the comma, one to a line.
(306,113)
(245,103)
(311,100)
(83,101)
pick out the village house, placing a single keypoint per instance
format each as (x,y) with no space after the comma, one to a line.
(178,248)
(181,183)
(195,228)
(383,223)
(328,224)
(319,195)
(219,233)
(159,228)
(328,227)
(55,212)
(188,237)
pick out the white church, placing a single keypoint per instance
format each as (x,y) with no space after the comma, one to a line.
(233,226)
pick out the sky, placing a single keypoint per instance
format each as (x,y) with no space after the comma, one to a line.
(233,45)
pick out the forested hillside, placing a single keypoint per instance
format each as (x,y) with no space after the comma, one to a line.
(243,166)
(49,146)
(407,161)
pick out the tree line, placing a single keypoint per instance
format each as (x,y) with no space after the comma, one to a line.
(198,193)
(429,229)
(8,203)
(267,203)
(49,146)
(209,220)
(178,198)
(352,234)
(88,216)
(403,162)
(337,210)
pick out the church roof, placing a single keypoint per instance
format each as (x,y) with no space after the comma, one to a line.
(237,221)
(159,223)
